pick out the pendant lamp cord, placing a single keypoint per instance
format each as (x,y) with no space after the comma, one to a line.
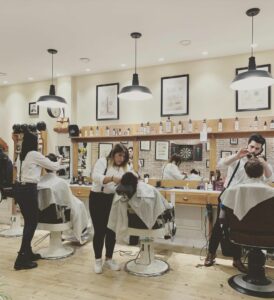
(135,54)
(52,68)
(252,45)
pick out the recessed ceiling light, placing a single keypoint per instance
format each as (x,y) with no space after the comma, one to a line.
(254,45)
(204,53)
(5,82)
(185,42)
(161,59)
(58,75)
(3,74)
(87,70)
(84,60)
(123,65)
(30,78)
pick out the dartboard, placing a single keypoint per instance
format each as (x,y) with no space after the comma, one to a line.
(186,152)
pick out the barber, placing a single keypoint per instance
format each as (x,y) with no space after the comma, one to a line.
(171,169)
(236,162)
(29,165)
(106,176)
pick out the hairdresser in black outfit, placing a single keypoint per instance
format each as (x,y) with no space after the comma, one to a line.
(106,175)
(29,165)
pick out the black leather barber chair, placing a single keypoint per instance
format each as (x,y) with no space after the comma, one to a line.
(255,232)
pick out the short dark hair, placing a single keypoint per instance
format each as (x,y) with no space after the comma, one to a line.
(51,157)
(176,158)
(193,171)
(128,185)
(254,168)
(256,138)
(130,148)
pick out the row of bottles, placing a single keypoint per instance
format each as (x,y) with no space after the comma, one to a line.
(215,182)
(107,131)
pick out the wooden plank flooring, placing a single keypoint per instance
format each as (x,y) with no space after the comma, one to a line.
(73,277)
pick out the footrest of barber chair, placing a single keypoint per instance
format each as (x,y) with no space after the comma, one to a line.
(56,248)
(15,229)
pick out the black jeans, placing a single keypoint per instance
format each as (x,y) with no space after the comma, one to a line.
(27,198)
(99,207)
(216,237)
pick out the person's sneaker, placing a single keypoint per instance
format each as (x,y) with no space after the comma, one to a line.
(98,267)
(237,263)
(210,259)
(111,264)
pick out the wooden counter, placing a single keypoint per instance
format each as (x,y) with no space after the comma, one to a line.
(80,191)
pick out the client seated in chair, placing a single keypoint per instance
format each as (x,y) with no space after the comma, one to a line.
(139,209)
(249,214)
(54,191)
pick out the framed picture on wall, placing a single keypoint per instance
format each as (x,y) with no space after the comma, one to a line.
(64,151)
(233,141)
(161,150)
(141,162)
(175,95)
(207,163)
(225,153)
(145,145)
(257,99)
(33,109)
(107,101)
(104,149)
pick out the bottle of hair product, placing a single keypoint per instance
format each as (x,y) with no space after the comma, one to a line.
(148,128)
(236,124)
(113,131)
(119,131)
(180,127)
(265,125)
(256,123)
(128,131)
(271,124)
(91,131)
(190,127)
(220,125)
(97,131)
(168,125)
(161,127)
(107,131)
(204,126)
(174,128)
(142,129)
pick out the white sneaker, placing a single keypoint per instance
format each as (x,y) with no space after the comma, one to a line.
(98,267)
(111,264)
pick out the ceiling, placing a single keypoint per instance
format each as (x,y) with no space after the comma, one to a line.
(100,30)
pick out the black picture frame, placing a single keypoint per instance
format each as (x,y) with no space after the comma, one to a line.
(175,95)
(145,145)
(104,149)
(250,100)
(225,153)
(107,102)
(33,109)
(141,162)
(162,150)
(233,141)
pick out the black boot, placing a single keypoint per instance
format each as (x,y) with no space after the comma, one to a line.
(23,262)
(34,256)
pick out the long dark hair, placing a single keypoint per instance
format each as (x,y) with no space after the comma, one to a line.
(118,148)
(176,158)
(30,143)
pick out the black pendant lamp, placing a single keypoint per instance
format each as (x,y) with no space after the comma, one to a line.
(52,100)
(135,91)
(252,78)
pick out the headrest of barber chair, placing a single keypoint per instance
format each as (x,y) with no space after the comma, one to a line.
(125,190)
(73,130)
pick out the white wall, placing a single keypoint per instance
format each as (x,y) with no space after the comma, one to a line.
(209,95)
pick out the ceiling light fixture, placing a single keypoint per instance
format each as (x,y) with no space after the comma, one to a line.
(135,91)
(123,65)
(52,100)
(185,42)
(30,78)
(84,60)
(87,69)
(204,53)
(252,78)
(161,59)
(5,82)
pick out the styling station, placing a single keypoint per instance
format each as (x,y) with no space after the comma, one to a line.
(137,150)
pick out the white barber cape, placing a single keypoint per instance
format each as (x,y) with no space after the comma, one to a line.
(55,190)
(147,203)
(242,197)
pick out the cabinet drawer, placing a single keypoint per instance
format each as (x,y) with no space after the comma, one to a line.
(213,199)
(189,198)
(82,192)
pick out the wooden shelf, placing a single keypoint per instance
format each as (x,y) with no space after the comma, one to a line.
(60,130)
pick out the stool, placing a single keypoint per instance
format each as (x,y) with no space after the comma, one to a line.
(145,264)
(56,248)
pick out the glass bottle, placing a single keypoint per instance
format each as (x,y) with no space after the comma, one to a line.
(97,131)
(256,123)
(168,125)
(220,125)
(204,126)
(265,125)
(236,124)
(107,131)
(148,128)
(190,127)
(180,127)
(161,127)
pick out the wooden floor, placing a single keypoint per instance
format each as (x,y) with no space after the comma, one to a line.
(73,277)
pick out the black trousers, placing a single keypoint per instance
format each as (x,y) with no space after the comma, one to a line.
(27,198)
(216,236)
(99,207)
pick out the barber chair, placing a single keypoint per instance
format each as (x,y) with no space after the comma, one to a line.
(145,264)
(256,233)
(55,219)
